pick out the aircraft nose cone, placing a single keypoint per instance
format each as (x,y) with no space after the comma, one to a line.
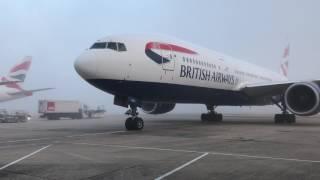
(85,65)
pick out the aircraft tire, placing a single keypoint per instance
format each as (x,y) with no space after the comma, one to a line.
(291,118)
(211,117)
(204,117)
(219,117)
(129,124)
(284,118)
(138,123)
(134,123)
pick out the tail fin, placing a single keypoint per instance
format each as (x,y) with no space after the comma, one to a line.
(284,67)
(19,71)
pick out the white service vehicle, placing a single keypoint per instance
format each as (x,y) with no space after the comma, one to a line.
(56,109)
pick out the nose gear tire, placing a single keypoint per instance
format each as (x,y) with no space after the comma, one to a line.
(134,123)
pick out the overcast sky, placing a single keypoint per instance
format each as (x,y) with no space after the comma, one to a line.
(55,32)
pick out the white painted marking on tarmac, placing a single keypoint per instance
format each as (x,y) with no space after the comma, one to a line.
(25,140)
(201,152)
(17,145)
(70,136)
(94,134)
(264,157)
(181,167)
(24,157)
(139,147)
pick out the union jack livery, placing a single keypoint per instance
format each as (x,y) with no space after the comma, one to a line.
(284,68)
(11,84)
(155,49)
(19,71)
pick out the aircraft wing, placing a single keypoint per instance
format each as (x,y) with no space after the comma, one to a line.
(270,89)
(8,82)
(29,92)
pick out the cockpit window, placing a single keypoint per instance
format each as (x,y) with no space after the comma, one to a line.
(113,46)
(116,46)
(121,47)
(99,45)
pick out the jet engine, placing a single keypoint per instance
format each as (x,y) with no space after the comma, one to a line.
(157,108)
(303,98)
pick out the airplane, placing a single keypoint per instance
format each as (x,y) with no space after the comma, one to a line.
(8,82)
(155,72)
(10,88)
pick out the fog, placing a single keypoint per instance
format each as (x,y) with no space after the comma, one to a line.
(56,32)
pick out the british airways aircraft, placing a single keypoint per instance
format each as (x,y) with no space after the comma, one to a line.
(11,84)
(155,73)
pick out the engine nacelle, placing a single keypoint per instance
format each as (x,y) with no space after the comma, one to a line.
(156,108)
(303,99)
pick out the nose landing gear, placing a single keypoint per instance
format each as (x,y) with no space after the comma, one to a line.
(133,122)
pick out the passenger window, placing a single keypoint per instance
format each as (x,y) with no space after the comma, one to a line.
(121,47)
(113,46)
(99,45)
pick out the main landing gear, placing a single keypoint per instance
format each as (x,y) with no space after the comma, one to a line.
(285,117)
(212,115)
(134,122)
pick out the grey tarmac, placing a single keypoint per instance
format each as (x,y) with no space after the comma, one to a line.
(171,146)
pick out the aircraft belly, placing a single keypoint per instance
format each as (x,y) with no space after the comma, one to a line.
(167,92)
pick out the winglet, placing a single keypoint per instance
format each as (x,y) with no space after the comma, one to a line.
(284,67)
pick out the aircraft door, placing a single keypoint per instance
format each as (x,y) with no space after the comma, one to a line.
(168,61)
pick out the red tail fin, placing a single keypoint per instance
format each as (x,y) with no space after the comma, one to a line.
(284,67)
(19,71)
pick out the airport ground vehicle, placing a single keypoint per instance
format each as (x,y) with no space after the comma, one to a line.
(16,117)
(99,112)
(154,73)
(56,109)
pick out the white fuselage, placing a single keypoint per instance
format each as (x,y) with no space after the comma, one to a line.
(188,65)
(8,94)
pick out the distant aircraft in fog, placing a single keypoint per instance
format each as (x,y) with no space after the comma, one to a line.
(155,72)
(10,85)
